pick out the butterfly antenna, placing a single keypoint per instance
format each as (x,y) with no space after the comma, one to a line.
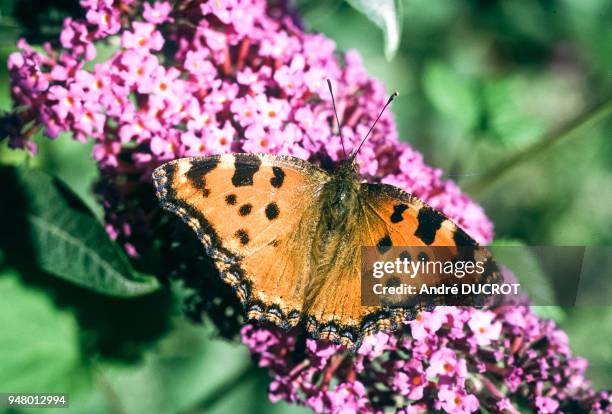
(329,85)
(391,98)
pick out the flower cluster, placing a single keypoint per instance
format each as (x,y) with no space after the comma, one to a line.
(452,359)
(199,78)
(193,77)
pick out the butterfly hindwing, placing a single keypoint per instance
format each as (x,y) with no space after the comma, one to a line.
(253,214)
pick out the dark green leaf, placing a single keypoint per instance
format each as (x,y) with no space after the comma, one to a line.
(386,14)
(46,224)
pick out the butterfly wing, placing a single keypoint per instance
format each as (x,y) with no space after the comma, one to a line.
(254,216)
(408,221)
(399,219)
(388,217)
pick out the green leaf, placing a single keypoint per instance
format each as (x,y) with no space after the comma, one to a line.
(185,370)
(39,345)
(512,121)
(47,226)
(386,14)
(451,94)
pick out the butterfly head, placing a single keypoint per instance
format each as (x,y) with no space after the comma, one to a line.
(348,170)
(349,164)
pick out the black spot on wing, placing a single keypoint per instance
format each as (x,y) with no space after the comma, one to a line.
(462,239)
(272,211)
(384,244)
(243,236)
(393,282)
(398,210)
(405,256)
(429,222)
(230,199)
(279,177)
(198,170)
(245,209)
(246,165)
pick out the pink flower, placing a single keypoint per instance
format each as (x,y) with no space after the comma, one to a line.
(291,77)
(546,405)
(259,140)
(413,409)
(456,401)
(106,154)
(137,69)
(221,9)
(89,121)
(222,138)
(198,64)
(246,110)
(194,145)
(67,102)
(347,398)
(425,324)
(411,380)
(105,19)
(164,89)
(505,405)
(144,37)
(484,329)
(158,12)
(92,85)
(375,344)
(280,45)
(273,111)
(444,362)
(75,37)
(165,148)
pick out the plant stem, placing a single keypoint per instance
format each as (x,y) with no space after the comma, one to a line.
(589,116)
(224,389)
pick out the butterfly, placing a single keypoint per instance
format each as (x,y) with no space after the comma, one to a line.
(287,236)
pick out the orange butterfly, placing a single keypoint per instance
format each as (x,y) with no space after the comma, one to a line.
(287,235)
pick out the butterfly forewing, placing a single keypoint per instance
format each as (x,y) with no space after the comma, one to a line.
(253,213)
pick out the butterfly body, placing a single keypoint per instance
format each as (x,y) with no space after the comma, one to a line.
(340,198)
(287,236)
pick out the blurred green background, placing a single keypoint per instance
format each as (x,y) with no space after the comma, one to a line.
(480,82)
